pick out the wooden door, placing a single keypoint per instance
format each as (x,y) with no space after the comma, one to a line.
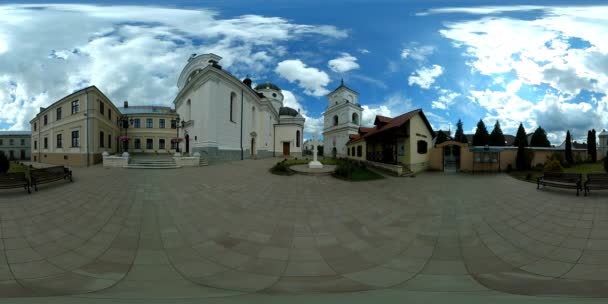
(285,148)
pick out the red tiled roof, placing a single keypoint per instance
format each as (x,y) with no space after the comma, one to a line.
(387,123)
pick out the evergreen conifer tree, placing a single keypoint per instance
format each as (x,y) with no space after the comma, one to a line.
(481,137)
(497,138)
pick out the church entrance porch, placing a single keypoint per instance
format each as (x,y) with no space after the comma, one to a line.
(286,149)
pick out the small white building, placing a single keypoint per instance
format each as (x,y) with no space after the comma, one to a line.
(224,118)
(342,118)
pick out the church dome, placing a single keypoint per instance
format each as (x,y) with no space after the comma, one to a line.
(267,85)
(288,111)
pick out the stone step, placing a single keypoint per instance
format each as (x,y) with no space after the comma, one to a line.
(135,166)
(152,162)
(203,162)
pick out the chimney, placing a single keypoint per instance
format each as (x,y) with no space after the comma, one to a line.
(247,82)
(126,104)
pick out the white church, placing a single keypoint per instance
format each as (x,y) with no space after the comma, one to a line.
(224,118)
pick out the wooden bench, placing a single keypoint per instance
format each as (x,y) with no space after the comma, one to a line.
(14,180)
(51,174)
(561,180)
(596,181)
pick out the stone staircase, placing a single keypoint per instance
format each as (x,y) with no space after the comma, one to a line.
(203,162)
(142,163)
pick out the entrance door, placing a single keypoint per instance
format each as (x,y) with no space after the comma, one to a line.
(451,158)
(187,144)
(285,149)
(22,155)
(253,147)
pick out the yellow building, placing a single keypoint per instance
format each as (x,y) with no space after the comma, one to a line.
(151,129)
(75,130)
(403,141)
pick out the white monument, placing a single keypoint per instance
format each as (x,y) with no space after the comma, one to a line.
(314,164)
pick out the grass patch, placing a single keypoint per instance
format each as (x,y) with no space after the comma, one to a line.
(584,168)
(355,171)
(282,167)
(15,168)
(364,174)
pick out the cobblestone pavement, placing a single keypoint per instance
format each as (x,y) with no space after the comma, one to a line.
(234,229)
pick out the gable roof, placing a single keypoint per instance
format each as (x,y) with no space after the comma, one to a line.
(384,124)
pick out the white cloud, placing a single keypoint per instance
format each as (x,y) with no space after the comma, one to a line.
(312,80)
(425,76)
(417,53)
(346,62)
(131,53)
(563,48)
(393,105)
(364,51)
(369,114)
(445,99)
(482,10)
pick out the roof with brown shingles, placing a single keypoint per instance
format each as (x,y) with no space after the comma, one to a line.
(384,124)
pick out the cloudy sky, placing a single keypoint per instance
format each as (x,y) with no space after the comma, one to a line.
(544,65)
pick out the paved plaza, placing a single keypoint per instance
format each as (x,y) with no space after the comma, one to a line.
(233,232)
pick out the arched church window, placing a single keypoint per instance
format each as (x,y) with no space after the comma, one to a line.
(298,138)
(233,107)
(253,118)
(335,120)
(188,110)
(355,118)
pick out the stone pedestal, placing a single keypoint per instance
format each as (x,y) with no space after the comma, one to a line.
(315,164)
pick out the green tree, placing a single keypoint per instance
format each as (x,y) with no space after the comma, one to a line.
(459,136)
(520,158)
(589,148)
(539,138)
(569,157)
(481,137)
(441,137)
(4,163)
(497,138)
(593,143)
(521,136)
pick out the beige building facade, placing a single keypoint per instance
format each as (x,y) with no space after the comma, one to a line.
(401,141)
(457,156)
(151,129)
(76,130)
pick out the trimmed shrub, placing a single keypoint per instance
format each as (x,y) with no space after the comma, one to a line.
(539,167)
(4,163)
(553,165)
(344,168)
(281,168)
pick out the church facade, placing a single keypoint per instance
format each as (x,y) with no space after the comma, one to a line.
(225,118)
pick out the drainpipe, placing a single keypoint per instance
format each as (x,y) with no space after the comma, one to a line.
(86,113)
(242,95)
(38,144)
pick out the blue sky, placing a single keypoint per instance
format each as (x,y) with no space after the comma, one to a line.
(544,65)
